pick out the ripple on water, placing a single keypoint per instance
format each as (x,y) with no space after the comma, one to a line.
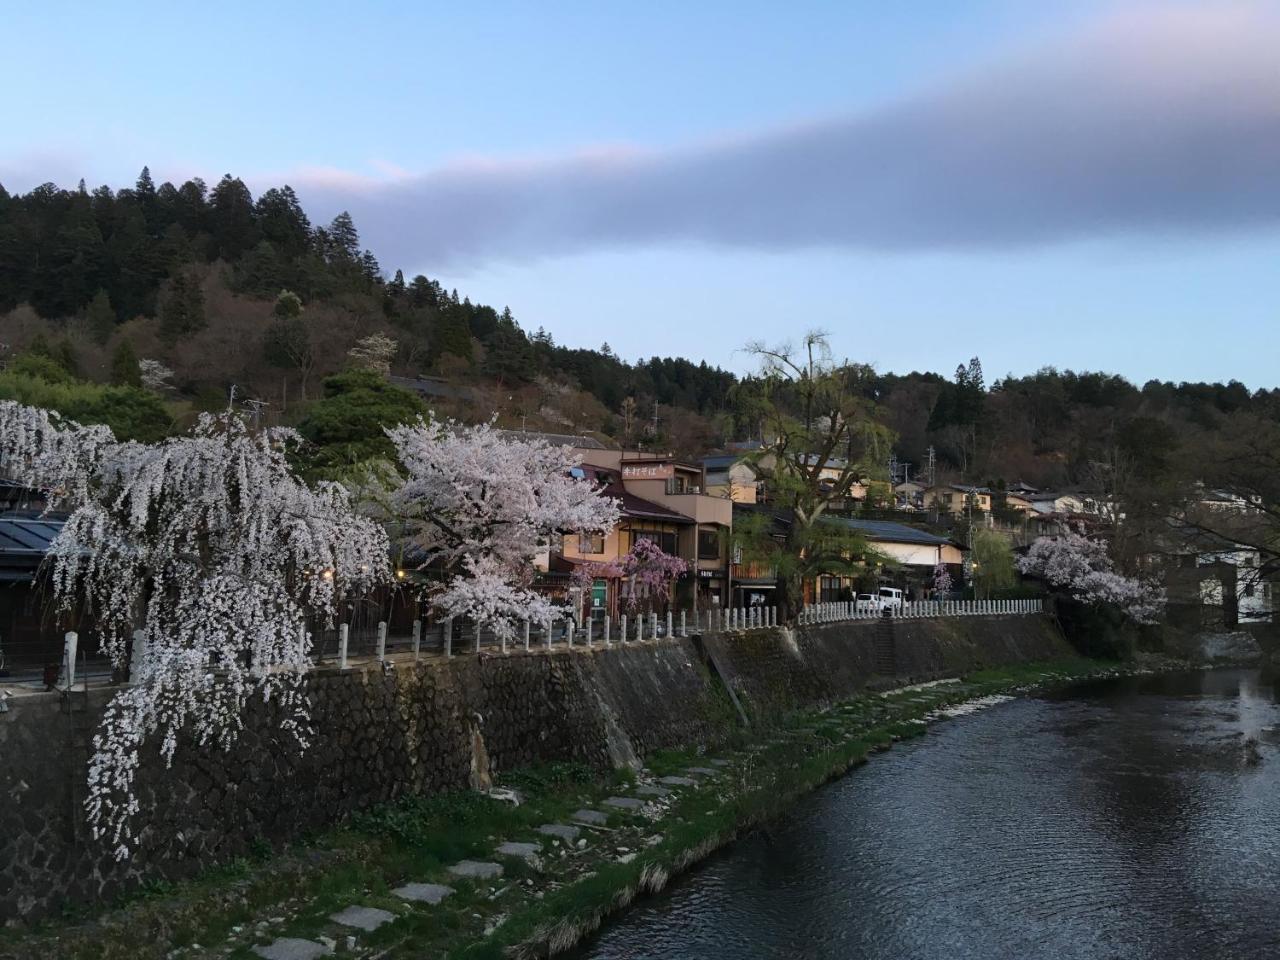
(1120,822)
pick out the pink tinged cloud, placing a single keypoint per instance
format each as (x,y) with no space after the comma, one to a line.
(1165,121)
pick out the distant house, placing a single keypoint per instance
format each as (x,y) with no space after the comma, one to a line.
(1225,579)
(433,388)
(955,498)
(909,495)
(582,444)
(727,476)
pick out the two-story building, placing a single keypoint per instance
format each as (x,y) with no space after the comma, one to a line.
(662,499)
(956,498)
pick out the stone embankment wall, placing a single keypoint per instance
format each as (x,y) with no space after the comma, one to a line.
(381,732)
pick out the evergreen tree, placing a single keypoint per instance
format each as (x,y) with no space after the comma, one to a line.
(100,316)
(343,238)
(232,218)
(125,369)
(183,309)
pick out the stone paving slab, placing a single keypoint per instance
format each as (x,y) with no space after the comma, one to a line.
(649,790)
(561,830)
(678,781)
(513,848)
(594,817)
(624,803)
(703,771)
(367,919)
(719,763)
(291,948)
(431,893)
(476,869)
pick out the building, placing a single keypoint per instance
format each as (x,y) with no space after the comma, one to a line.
(662,499)
(727,476)
(30,636)
(956,498)
(910,558)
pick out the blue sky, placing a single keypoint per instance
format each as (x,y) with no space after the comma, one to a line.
(1083,184)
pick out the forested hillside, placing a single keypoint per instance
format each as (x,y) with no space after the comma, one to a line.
(143,305)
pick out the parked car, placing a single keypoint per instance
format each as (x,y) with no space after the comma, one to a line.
(890,597)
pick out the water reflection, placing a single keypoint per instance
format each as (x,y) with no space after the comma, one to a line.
(1119,820)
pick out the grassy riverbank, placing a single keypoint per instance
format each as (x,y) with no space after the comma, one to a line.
(538,905)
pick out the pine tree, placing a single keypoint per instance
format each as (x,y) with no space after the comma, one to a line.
(125,369)
(344,239)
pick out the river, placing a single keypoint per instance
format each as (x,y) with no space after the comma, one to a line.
(1121,819)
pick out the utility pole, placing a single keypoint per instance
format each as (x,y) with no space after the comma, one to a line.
(256,406)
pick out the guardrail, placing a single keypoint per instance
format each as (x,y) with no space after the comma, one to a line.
(917,609)
(344,646)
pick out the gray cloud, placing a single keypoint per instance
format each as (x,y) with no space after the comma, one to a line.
(1162,122)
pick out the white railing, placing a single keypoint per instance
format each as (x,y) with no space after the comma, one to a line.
(917,609)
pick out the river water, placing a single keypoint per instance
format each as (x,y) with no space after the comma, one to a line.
(1121,819)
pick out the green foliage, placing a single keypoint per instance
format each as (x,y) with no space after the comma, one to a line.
(131,413)
(288,304)
(993,567)
(125,371)
(101,317)
(39,366)
(182,312)
(347,426)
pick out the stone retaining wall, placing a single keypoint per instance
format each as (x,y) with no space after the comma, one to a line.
(408,728)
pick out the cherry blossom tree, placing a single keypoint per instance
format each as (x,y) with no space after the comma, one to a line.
(942,583)
(1082,568)
(480,505)
(204,557)
(647,574)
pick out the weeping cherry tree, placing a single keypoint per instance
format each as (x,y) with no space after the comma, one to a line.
(205,556)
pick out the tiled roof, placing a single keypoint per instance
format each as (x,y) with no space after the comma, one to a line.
(640,508)
(556,439)
(27,537)
(887,531)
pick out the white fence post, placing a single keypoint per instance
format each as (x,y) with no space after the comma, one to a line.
(684,627)
(477,637)
(526,634)
(653,626)
(448,636)
(343,635)
(622,628)
(670,626)
(588,631)
(607,639)
(136,654)
(382,639)
(548,630)
(417,638)
(69,644)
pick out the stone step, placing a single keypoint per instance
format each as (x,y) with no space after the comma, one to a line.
(678,781)
(593,817)
(561,830)
(624,803)
(719,763)
(292,948)
(476,869)
(649,790)
(431,893)
(523,851)
(367,919)
(703,771)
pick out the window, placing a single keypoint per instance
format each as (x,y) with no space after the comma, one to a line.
(677,484)
(591,543)
(665,540)
(708,544)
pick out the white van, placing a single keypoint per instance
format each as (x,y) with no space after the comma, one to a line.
(890,597)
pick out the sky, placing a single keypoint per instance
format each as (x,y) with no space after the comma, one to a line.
(1088,185)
